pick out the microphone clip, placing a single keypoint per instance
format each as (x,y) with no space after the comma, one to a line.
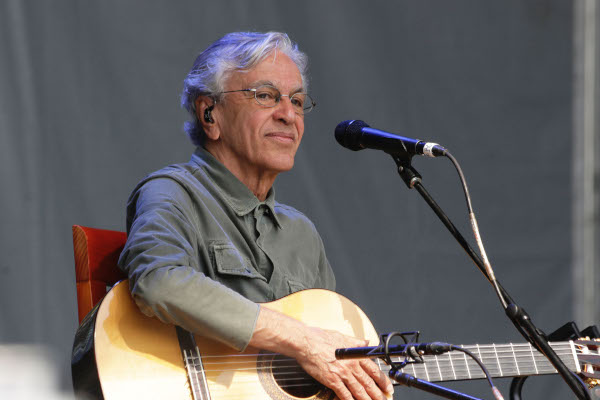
(409,175)
(413,357)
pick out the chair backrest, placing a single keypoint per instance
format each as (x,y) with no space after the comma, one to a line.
(96,254)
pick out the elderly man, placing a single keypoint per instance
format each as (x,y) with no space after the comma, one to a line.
(207,241)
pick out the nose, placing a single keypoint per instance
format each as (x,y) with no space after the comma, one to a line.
(284,110)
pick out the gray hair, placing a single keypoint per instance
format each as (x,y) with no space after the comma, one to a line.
(233,52)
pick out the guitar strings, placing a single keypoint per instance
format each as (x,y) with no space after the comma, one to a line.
(290,362)
(492,356)
(524,357)
(431,369)
(440,359)
(290,374)
(492,349)
(481,352)
(302,379)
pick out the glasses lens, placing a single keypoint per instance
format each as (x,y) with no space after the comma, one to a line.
(302,102)
(267,96)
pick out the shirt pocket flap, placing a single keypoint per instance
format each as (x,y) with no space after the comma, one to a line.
(229,261)
(294,286)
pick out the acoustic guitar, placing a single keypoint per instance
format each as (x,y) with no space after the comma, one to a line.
(119,353)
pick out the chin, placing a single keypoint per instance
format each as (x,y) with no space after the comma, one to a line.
(282,164)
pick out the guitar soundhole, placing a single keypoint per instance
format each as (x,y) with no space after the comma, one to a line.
(292,379)
(284,379)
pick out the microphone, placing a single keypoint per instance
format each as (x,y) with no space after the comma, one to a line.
(357,135)
(411,349)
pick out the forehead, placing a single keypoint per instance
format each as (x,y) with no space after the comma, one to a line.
(277,69)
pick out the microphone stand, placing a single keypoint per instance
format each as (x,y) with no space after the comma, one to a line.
(516,314)
(411,381)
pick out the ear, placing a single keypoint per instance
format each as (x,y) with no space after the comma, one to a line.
(203,103)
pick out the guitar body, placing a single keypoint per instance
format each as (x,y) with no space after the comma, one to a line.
(119,353)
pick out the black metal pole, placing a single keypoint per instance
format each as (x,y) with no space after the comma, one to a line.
(516,314)
(411,381)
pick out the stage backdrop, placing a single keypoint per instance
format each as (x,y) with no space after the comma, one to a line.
(89,104)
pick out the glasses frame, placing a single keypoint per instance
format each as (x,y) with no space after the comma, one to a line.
(305,110)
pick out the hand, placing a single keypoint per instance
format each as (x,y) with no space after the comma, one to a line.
(314,349)
(359,379)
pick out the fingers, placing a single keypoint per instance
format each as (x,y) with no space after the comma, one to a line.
(372,380)
(368,386)
(362,389)
(342,392)
(362,380)
(377,376)
(351,388)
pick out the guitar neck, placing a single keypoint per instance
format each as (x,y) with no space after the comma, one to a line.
(501,360)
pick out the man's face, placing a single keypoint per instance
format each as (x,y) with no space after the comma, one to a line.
(253,138)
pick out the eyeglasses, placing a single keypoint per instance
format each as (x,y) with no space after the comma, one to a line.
(269,96)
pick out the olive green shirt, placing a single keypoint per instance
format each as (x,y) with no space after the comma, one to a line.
(202,250)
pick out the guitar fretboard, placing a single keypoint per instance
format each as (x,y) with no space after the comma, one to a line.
(195,369)
(501,360)
(193,364)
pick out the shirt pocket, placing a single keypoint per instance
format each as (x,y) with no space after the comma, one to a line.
(294,285)
(229,261)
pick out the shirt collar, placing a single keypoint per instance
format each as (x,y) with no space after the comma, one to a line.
(234,192)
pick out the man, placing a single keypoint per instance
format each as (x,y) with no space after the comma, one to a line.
(206,240)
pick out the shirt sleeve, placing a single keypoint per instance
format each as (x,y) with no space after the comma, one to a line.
(166,277)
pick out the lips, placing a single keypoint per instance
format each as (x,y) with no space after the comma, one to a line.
(286,137)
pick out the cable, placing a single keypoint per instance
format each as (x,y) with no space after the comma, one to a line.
(495,390)
(475,227)
(397,366)
(463,181)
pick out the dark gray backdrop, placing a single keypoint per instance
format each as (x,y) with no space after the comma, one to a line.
(89,96)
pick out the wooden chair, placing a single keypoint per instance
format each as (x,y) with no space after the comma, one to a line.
(96,254)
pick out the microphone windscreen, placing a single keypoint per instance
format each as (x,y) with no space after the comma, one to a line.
(348,133)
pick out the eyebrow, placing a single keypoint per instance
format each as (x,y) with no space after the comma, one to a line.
(265,82)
